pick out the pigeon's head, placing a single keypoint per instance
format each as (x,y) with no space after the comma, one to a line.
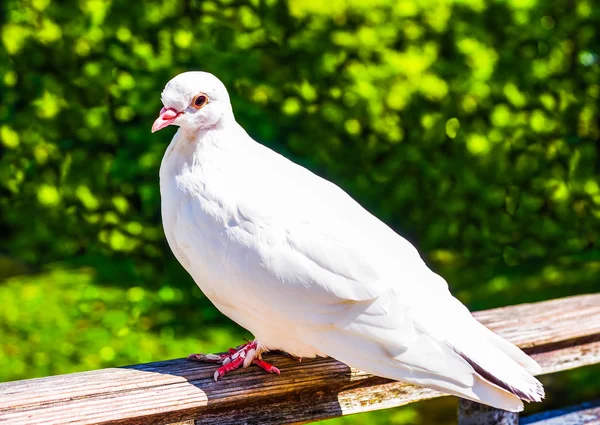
(194,101)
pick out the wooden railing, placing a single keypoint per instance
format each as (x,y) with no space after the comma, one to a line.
(560,334)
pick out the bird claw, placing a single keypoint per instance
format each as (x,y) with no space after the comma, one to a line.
(242,356)
(201,357)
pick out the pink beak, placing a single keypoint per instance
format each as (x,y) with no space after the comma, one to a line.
(165,118)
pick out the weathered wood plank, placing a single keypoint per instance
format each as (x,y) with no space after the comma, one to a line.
(583,414)
(560,334)
(471,413)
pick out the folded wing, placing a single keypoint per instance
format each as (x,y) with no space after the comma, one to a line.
(359,292)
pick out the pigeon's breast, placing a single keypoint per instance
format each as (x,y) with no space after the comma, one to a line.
(195,225)
(198,215)
(218,241)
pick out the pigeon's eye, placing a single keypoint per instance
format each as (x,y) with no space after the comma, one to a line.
(199,101)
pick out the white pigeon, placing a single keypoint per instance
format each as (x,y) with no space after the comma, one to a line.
(295,260)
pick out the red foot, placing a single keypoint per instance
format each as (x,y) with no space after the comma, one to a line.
(266,366)
(232,365)
(244,355)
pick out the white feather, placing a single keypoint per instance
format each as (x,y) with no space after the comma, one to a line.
(295,260)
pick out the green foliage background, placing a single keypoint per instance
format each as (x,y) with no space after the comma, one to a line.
(470,126)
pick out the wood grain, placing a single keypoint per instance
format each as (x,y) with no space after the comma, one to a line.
(561,334)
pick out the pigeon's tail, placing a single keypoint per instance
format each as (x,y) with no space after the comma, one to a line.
(509,376)
(503,372)
(497,361)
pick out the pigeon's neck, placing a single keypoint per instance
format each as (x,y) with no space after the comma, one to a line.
(198,150)
(219,137)
(205,135)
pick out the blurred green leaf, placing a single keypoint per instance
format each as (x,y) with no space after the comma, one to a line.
(470,127)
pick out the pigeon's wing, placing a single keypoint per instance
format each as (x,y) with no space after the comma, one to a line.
(365,297)
(408,327)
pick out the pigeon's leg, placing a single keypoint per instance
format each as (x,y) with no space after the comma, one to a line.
(244,355)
